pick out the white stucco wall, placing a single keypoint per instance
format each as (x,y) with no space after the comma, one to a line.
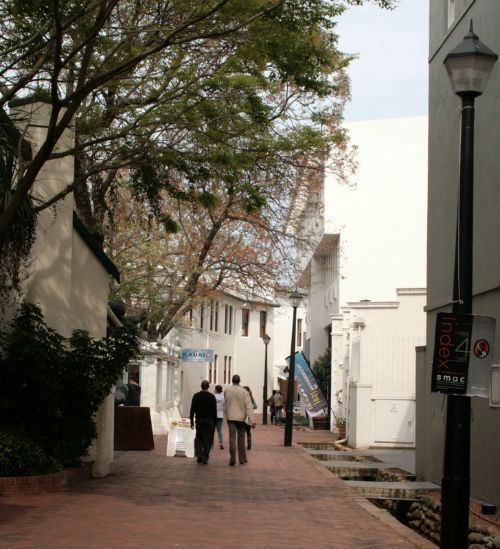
(65,278)
(382,221)
(373,363)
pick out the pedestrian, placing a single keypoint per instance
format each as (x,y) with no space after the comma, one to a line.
(219,397)
(278,406)
(248,428)
(204,407)
(134,391)
(238,408)
(270,403)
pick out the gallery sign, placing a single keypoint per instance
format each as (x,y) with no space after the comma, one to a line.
(197,355)
(463,354)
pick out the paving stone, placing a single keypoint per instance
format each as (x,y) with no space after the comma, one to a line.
(283,498)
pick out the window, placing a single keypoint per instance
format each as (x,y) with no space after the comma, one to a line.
(227,369)
(263,321)
(202,314)
(299,332)
(245,318)
(214,316)
(228,319)
(212,371)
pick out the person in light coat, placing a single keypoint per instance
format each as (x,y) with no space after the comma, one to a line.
(238,408)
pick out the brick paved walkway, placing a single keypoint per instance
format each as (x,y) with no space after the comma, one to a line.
(282,498)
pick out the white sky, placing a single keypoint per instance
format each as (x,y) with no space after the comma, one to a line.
(389,79)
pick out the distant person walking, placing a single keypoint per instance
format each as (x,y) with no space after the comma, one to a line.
(270,403)
(204,407)
(248,429)
(238,408)
(278,406)
(221,406)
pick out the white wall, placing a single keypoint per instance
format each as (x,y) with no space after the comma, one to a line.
(382,221)
(377,370)
(65,278)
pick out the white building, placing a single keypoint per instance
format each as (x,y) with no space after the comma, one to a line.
(373,368)
(381,217)
(68,273)
(232,328)
(373,240)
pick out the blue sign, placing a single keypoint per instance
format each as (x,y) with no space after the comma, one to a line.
(310,393)
(197,355)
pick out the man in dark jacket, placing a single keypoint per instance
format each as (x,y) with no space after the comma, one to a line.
(204,407)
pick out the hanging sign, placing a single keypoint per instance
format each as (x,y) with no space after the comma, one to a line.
(310,393)
(197,355)
(463,354)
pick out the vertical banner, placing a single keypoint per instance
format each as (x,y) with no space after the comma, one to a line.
(463,354)
(310,393)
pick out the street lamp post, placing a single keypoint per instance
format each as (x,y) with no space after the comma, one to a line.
(295,299)
(266,339)
(469,66)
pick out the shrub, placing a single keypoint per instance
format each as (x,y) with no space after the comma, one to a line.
(55,385)
(322,370)
(21,457)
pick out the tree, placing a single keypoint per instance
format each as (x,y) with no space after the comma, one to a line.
(226,245)
(176,100)
(67,52)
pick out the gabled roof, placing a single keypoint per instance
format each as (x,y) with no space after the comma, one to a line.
(96,249)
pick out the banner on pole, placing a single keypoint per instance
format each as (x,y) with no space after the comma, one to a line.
(463,354)
(310,393)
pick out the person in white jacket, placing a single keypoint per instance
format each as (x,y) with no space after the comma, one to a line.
(238,408)
(219,397)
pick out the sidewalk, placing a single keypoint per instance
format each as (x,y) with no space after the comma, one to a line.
(283,498)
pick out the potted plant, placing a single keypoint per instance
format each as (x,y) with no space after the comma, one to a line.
(340,422)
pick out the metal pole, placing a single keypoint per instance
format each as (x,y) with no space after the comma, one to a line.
(455,487)
(264,415)
(291,386)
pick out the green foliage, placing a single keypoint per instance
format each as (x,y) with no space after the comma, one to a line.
(321,370)
(14,150)
(21,457)
(301,420)
(55,385)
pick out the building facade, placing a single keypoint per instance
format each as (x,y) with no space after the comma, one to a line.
(373,368)
(449,23)
(68,274)
(230,328)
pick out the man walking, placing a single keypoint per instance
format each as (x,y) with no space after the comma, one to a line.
(238,408)
(204,407)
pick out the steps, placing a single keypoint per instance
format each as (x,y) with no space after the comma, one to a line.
(365,473)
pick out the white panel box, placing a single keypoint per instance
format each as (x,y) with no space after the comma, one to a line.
(394,421)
